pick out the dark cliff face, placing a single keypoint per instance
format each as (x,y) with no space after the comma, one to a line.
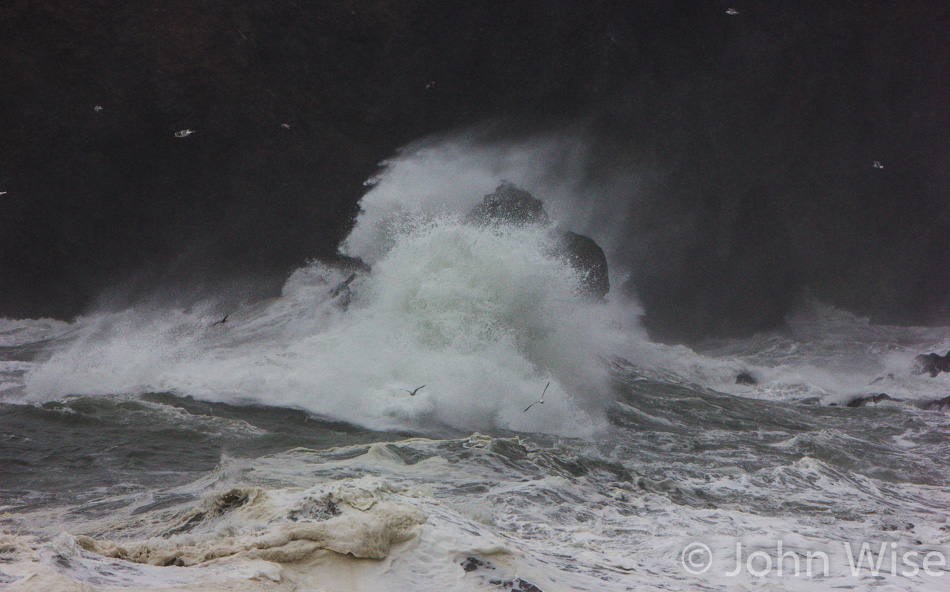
(761,129)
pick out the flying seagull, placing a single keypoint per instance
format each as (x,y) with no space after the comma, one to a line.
(878,165)
(184,133)
(732,11)
(222,321)
(540,401)
(413,392)
(97,108)
(285,125)
(3,192)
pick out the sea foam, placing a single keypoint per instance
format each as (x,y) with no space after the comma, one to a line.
(484,317)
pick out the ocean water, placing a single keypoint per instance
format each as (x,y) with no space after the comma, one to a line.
(149,449)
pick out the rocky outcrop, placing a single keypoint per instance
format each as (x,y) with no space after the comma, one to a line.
(865,400)
(509,204)
(587,257)
(938,405)
(869,399)
(932,364)
(746,378)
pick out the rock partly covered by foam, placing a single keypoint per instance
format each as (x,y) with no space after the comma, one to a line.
(865,400)
(932,364)
(509,204)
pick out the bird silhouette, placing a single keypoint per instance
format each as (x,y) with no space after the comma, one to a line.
(540,401)
(222,321)
(413,392)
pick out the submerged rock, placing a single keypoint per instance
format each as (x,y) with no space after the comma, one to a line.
(516,585)
(864,400)
(745,377)
(513,585)
(471,564)
(867,399)
(342,293)
(509,204)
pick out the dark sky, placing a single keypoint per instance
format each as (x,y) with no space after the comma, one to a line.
(762,126)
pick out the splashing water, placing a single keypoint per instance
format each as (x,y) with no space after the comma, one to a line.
(484,317)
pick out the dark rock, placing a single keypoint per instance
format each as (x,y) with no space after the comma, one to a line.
(587,257)
(745,378)
(938,405)
(347,263)
(471,564)
(319,510)
(231,500)
(867,399)
(516,585)
(358,79)
(509,204)
(861,401)
(932,364)
(343,292)
(523,586)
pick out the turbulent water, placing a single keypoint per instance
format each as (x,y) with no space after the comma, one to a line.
(151,449)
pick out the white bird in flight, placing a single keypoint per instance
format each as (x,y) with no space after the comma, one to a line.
(97,108)
(878,165)
(184,133)
(732,11)
(541,401)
